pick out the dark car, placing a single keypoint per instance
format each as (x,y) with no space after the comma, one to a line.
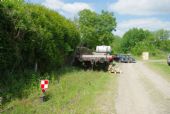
(117,57)
(124,58)
(168,60)
(131,59)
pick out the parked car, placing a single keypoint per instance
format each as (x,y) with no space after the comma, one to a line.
(131,59)
(124,58)
(168,60)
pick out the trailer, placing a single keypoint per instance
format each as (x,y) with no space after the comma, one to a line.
(101,58)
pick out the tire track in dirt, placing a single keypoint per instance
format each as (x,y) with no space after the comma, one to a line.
(134,96)
(157,87)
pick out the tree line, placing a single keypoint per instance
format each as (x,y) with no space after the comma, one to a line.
(138,40)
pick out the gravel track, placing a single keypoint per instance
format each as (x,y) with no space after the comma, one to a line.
(142,91)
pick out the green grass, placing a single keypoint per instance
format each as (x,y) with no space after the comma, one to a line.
(159,55)
(162,57)
(74,93)
(161,67)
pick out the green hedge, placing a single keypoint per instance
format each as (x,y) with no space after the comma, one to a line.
(32,34)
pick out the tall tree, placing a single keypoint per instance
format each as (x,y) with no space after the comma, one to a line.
(162,34)
(132,37)
(96,29)
(162,39)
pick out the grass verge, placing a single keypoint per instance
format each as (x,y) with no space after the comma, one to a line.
(160,67)
(73,93)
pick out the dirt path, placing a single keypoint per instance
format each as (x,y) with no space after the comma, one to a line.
(142,91)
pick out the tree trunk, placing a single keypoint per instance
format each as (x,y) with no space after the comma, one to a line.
(36,66)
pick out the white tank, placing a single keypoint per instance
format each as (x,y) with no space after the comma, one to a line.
(103,49)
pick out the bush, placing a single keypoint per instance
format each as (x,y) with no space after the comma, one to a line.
(33,34)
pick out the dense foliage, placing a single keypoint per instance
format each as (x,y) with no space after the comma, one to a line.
(162,38)
(32,37)
(96,29)
(116,45)
(132,37)
(31,34)
(136,41)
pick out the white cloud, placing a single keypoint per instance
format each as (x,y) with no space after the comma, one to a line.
(141,7)
(75,7)
(151,24)
(66,9)
(53,4)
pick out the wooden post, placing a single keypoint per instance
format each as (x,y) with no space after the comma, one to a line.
(42,98)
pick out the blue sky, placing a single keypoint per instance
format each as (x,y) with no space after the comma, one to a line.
(147,14)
